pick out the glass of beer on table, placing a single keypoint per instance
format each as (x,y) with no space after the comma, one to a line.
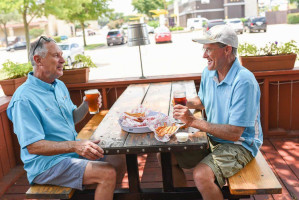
(179,97)
(92,99)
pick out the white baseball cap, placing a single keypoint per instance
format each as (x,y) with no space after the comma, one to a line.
(219,33)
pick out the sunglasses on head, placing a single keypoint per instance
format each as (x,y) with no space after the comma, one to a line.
(42,37)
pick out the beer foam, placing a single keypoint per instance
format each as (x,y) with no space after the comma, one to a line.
(92,91)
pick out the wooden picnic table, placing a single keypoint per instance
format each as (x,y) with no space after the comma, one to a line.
(114,140)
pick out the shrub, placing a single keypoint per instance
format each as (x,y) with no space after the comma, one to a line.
(270,49)
(293,18)
(36,32)
(57,38)
(177,28)
(13,70)
(81,61)
(154,24)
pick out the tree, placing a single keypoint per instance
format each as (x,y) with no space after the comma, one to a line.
(87,10)
(296,2)
(144,6)
(7,14)
(29,9)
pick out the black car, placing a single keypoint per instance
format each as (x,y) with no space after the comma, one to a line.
(116,37)
(255,24)
(16,46)
(211,23)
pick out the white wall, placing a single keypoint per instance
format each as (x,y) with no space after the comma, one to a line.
(250,8)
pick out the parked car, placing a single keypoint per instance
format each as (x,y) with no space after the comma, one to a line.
(236,24)
(196,23)
(211,23)
(255,24)
(70,50)
(90,32)
(116,36)
(162,34)
(16,46)
(150,29)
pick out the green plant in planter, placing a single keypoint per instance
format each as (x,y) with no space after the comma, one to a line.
(81,61)
(270,49)
(13,70)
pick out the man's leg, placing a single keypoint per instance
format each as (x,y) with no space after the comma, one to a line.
(119,163)
(204,179)
(104,175)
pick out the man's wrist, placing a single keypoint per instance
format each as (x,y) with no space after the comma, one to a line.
(190,122)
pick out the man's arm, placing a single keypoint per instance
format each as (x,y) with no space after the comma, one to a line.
(85,148)
(195,103)
(223,131)
(80,112)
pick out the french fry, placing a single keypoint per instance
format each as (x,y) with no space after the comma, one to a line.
(136,114)
(165,130)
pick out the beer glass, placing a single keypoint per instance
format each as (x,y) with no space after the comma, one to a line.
(179,97)
(92,99)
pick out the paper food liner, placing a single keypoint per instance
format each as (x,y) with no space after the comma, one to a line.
(130,121)
(160,122)
(149,118)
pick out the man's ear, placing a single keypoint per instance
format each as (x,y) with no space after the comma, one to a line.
(228,50)
(37,59)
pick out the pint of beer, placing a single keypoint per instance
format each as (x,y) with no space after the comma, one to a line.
(92,99)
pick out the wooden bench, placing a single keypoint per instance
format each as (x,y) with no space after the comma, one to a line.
(255,178)
(57,192)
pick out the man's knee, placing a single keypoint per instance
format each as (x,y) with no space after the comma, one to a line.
(203,175)
(108,172)
(100,172)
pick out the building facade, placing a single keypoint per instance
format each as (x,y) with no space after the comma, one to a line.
(212,9)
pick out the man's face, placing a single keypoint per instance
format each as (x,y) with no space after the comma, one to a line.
(51,66)
(215,56)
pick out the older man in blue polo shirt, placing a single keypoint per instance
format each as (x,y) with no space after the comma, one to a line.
(44,119)
(230,95)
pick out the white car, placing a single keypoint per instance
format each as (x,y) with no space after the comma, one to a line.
(196,23)
(150,29)
(236,24)
(70,50)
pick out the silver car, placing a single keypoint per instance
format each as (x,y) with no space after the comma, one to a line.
(116,36)
(70,50)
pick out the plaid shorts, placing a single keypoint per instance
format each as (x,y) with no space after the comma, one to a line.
(68,173)
(224,159)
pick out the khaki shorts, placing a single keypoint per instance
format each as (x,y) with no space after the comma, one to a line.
(224,159)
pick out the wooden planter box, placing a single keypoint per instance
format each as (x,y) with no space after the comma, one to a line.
(266,63)
(10,86)
(75,76)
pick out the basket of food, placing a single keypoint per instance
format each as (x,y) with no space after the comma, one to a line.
(137,120)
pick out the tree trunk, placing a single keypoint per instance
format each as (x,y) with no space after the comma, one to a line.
(83,32)
(4,29)
(26,26)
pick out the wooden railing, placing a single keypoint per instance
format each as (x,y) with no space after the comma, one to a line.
(279,106)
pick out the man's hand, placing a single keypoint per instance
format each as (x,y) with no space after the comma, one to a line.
(183,113)
(89,149)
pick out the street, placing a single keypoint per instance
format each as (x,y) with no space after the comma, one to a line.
(179,57)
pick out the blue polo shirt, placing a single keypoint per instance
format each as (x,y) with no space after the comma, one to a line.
(234,101)
(41,111)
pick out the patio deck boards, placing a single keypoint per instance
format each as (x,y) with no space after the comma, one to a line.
(282,155)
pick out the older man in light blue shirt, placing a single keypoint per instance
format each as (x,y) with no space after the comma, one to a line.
(44,119)
(230,95)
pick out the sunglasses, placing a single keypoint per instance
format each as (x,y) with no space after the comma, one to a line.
(42,37)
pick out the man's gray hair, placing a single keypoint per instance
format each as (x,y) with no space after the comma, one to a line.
(40,50)
(234,50)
